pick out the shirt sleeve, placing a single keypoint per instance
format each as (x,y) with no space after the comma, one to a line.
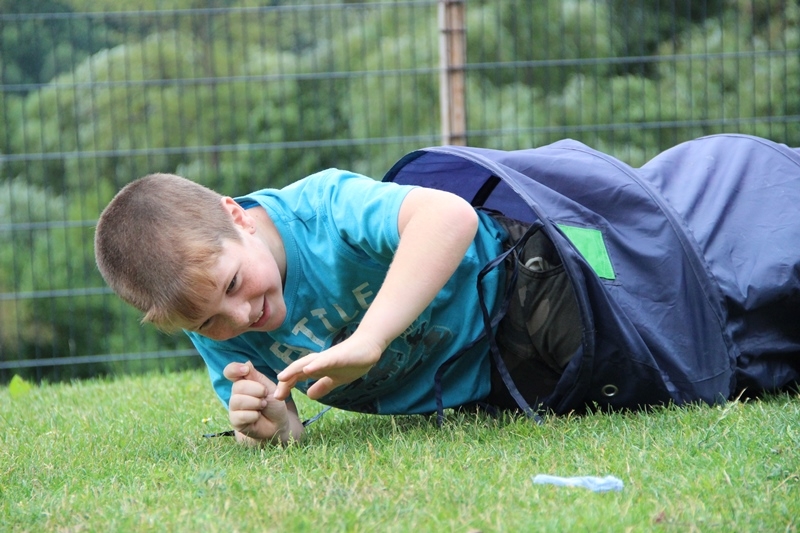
(364,212)
(359,211)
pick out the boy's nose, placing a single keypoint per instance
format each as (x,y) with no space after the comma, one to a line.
(239,315)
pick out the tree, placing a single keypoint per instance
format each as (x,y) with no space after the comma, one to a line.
(36,48)
(46,254)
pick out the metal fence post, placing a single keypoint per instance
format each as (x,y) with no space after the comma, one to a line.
(452,57)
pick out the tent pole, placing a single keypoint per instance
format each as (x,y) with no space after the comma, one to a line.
(452,58)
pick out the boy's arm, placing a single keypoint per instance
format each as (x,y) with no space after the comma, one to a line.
(436,229)
(255,415)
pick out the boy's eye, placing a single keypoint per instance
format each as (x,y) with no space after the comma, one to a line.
(231,285)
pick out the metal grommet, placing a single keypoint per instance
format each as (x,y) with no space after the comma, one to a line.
(609,390)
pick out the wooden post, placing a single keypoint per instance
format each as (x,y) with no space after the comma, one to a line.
(452,58)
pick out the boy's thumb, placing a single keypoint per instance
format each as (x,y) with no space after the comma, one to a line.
(254,375)
(237,371)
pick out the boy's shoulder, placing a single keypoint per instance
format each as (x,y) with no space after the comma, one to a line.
(309,186)
(324,189)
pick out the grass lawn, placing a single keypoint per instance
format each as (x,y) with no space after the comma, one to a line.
(128,455)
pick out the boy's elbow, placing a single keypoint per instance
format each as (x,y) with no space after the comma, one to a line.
(455,217)
(438,209)
(465,216)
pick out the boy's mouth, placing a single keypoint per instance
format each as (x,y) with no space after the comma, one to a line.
(262,318)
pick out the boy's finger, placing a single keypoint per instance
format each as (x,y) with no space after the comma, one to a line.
(237,371)
(249,387)
(321,387)
(242,419)
(283,389)
(319,366)
(243,402)
(296,367)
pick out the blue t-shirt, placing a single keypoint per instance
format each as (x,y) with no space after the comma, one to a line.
(339,231)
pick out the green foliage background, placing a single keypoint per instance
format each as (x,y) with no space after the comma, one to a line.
(245,94)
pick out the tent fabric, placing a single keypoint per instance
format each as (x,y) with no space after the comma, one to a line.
(704,245)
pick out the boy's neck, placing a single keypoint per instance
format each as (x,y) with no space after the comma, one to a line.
(267,231)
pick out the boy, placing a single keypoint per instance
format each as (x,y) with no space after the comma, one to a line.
(336,266)
(598,283)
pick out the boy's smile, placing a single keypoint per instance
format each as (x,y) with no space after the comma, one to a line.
(249,276)
(262,318)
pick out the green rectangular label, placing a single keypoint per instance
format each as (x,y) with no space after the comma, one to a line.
(592,247)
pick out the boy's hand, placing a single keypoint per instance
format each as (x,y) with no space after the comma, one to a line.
(338,365)
(253,409)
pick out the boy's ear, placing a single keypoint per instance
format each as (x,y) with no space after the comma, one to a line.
(239,215)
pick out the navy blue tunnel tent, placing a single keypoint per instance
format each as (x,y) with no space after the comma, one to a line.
(690,290)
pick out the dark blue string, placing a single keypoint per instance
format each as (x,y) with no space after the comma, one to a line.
(488,326)
(316,416)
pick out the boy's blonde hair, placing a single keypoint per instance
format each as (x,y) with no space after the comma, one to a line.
(155,245)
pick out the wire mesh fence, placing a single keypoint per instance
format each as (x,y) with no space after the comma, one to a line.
(241,95)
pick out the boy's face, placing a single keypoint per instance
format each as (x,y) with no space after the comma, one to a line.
(249,295)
